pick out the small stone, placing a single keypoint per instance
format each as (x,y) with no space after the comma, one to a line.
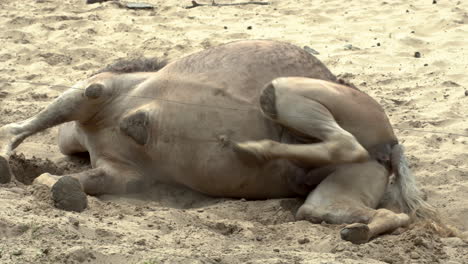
(141,242)
(225,27)
(434,2)
(304,240)
(276,250)
(200,210)
(249,27)
(417,54)
(74,221)
(378,44)
(414,255)
(425,64)
(454,241)
(17,253)
(259,238)
(466,92)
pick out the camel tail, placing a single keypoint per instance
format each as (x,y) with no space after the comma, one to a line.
(405,194)
(404,190)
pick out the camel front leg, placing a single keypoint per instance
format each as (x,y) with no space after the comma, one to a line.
(78,103)
(69,191)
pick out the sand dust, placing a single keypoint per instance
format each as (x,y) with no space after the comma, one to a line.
(371,43)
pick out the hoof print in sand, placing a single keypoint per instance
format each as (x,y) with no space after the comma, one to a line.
(68,195)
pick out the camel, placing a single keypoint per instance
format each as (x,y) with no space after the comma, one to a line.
(253,119)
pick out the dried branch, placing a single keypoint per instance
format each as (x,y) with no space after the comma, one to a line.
(213,3)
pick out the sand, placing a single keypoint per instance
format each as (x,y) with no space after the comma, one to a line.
(371,43)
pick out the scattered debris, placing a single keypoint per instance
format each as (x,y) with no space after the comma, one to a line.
(95,1)
(450,84)
(131,5)
(350,47)
(213,3)
(311,50)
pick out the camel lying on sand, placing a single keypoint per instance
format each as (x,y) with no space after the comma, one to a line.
(249,119)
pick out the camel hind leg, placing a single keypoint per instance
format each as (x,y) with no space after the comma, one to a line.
(350,195)
(297,110)
(381,221)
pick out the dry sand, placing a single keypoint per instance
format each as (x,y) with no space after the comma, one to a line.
(61,42)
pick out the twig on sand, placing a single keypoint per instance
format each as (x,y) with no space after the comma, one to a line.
(213,3)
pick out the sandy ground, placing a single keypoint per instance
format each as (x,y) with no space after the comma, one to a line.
(372,43)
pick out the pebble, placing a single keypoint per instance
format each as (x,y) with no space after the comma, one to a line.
(74,221)
(17,253)
(466,92)
(304,240)
(249,27)
(454,241)
(276,250)
(350,47)
(417,54)
(414,255)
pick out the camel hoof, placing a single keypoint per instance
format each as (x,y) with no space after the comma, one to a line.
(68,195)
(247,156)
(356,233)
(5,171)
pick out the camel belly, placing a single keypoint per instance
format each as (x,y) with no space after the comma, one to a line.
(192,147)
